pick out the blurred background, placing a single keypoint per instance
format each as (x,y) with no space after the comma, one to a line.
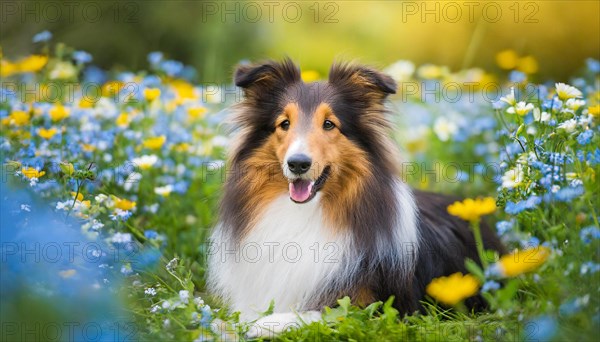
(214,36)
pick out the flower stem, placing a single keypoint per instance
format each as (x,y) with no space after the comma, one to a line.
(479,243)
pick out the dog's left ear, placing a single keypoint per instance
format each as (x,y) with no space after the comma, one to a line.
(354,78)
(265,79)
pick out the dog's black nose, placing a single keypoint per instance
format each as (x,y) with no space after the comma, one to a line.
(299,163)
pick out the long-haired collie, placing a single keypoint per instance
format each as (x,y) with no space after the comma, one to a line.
(314,207)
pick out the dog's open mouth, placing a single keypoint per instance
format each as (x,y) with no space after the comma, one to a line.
(303,190)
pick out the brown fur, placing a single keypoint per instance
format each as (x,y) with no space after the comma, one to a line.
(357,195)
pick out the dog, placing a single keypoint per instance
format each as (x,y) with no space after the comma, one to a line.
(314,207)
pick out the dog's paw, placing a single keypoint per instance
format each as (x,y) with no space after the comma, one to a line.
(270,326)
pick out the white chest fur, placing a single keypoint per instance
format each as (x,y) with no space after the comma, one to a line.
(290,255)
(287,257)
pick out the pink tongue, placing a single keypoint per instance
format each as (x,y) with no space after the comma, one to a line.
(300,190)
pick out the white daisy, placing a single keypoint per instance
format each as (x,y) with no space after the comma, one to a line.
(565,91)
(444,128)
(521,108)
(510,98)
(513,178)
(569,126)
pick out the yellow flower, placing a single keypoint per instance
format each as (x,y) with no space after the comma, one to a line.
(196,112)
(310,76)
(58,112)
(155,143)
(523,261)
(507,59)
(79,196)
(30,172)
(123,204)
(88,147)
(594,111)
(182,147)
(123,120)
(7,68)
(32,63)
(430,71)
(47,133)
(453,289)
(111,88)
(79,200)
(528,65)
(86,103)
(151,93)
(19,118)
(184,89)
(472,209)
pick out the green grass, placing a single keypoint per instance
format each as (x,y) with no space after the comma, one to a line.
(558,301)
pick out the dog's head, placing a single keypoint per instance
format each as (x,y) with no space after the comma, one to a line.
(324,136)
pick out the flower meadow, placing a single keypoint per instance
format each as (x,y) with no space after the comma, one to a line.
(111,182)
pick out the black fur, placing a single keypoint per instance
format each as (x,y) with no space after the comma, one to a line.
(446,242)
(357,94)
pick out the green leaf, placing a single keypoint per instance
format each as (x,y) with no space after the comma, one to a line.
(13,164)
(506,294)
(474,269)
(67,168)
(389,312)
(372,308)
(344,303)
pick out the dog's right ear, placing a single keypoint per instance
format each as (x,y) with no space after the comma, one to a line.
(265,78)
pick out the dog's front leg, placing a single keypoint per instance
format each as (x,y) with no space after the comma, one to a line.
(272,325)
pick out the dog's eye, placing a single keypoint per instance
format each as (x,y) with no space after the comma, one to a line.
(328,125)
(285,125)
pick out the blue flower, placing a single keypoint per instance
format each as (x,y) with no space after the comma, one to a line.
(94,75)
(552,104)
(498,104)
(58,281)
(559,158)
(515,208)
(545,328)
(43,36)
(82,57)
(589,267)
(171,67)
(594,158)
(532,242)
(503,227)
(588,234)
(150,234)
(584,138)
(593,65)
(120,215)
(490,285)
(155,57)
(206,316)
(180,187)
(570,307)
(517,76)
(565,194)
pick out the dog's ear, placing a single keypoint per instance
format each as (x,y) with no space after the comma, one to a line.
(264,78)
(356,78)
